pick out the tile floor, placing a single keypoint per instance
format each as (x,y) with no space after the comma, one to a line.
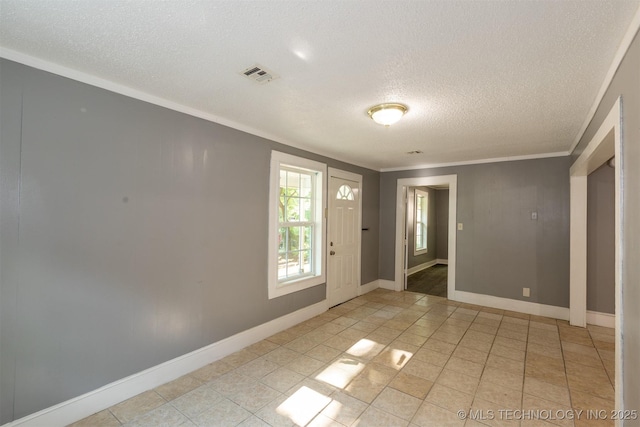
(394,359)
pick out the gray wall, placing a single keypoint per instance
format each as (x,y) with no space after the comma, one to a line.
(501,250)
(442,224)
(131,234)
(626,83)
(370,222)
(601,240)
(415,260)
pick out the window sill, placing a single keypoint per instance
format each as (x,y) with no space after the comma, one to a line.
(281,289)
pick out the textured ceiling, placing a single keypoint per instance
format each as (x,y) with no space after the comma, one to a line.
(482,79)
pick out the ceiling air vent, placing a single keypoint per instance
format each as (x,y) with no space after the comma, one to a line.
(259,74)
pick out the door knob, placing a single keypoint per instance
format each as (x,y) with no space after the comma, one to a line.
(332,253)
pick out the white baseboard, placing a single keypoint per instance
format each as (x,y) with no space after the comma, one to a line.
(87,404)
(442,261)
(421,267)
(512,305)
(387,284)
(601,319)
(368,287)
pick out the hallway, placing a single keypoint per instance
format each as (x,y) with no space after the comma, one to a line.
(430,281)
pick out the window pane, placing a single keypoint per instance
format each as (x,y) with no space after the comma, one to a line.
(305,185)
(306,209)
(281,206)
(421,236)
(293,238)
(301,212)
(306,261)
(293,209)
(283,179)
(421,207)
(296,197)
(282,239)
(294,264)
(293,182)
(307,237)
(282,265)
(295,254)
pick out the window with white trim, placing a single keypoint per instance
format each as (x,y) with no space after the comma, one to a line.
(296,224)
(420,221)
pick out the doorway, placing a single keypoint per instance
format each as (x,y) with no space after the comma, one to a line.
(605,144)
(401,271)
(344,228)
(426,254)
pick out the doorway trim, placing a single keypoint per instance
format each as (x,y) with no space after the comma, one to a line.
(350,176)
(606,143)
(452,182)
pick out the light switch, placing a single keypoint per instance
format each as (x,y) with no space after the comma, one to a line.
(459,226)
(534,215)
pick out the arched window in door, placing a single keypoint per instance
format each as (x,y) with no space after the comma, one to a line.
(345,193)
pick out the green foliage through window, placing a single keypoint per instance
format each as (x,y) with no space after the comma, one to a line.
(296,223)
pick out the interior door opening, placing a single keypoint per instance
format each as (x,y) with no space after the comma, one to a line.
(426,241)
(605,144)
(403,245)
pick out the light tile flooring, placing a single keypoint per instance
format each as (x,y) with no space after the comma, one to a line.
(395,359)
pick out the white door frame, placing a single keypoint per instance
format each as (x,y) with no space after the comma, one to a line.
(452,182)
(405,238)
(606,143)
(338,173)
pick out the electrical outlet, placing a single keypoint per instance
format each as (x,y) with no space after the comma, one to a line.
(526,292)
(460,226)
(534,215)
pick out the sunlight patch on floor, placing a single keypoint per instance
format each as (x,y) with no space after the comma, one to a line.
(394,358)
(365,348)
(303,405)
(341,372)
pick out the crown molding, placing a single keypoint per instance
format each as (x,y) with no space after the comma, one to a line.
(479,161)
(625,44)
(130,92)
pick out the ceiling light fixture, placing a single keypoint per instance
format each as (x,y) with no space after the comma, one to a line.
(387,114)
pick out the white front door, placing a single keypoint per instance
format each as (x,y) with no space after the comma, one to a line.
(344,220)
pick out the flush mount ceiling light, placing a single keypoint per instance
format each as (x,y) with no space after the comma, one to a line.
(387,114)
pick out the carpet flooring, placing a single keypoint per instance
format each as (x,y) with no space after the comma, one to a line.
(430,281)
